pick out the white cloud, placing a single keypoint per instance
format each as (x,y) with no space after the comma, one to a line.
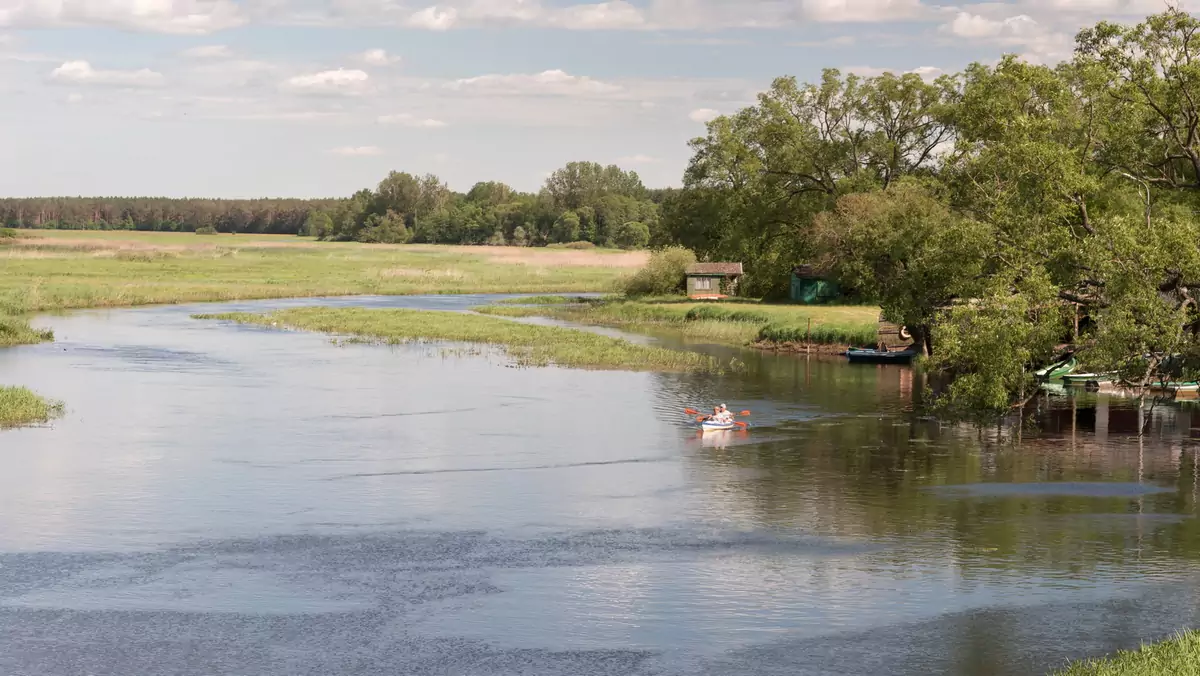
(616,14)
(409,120)
(704,115)
(378,57)
(208,52)
(546,83)
(846,11)
(191,17)
(82,72)
(278,116)
(967,25)
(357,151)
(74,97)
(434,18)
(638,159)
(340,82)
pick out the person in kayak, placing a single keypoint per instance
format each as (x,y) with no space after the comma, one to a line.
(723,415)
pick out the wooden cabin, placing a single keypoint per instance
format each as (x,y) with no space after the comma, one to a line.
(713,281)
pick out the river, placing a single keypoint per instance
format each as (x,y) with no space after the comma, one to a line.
(222,499)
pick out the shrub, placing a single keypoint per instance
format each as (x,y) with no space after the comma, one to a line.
(579,245)
(666,273)
(632,235)
(206,230)
(8,233)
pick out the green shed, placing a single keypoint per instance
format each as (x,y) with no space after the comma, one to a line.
(809,288)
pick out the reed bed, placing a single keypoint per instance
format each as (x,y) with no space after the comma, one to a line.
(525,344)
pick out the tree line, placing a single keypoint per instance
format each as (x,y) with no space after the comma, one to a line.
(581,202)
(1004,212)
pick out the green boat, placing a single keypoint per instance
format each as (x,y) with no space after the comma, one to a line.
(1176,387)
(1056,370)
(1091,381)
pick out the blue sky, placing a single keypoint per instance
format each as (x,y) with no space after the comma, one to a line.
(248,98)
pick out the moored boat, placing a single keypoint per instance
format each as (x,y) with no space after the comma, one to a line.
(1058,369)
(1091,381)
(857,356)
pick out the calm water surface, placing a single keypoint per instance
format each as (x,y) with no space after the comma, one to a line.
(235,500)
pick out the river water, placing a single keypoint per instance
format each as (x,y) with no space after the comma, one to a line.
(237,500)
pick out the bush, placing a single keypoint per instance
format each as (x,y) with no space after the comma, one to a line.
(8,233)
(206,230)
(579,245)
(632,235)
(666,273)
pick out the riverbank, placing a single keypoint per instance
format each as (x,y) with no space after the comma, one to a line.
(20,406)
(17,331)
(792,328)
(46,271)
(525,344)
(1179,656)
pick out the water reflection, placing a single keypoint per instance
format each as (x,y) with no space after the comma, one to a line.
(406,511)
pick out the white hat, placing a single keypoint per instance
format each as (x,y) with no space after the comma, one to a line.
(722,405)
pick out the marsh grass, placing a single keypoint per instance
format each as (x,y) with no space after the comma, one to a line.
(526,344)
(1179,656)
(735,323)
(17,331)
(547,300)
(57,270)
(20,406)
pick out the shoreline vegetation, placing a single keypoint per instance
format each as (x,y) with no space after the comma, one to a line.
(20,406)
(1179,656)
(740,323)
(525,344)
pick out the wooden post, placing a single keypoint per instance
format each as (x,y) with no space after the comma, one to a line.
(808,338)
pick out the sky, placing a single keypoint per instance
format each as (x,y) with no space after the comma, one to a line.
(319,98)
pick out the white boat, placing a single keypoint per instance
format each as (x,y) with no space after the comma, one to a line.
(710,426)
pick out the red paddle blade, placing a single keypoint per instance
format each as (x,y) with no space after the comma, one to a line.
(744,413)
(742,424)
(691,411)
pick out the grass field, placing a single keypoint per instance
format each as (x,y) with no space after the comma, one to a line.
(1177,657)
(736,323)
(58,270)
(526,344)
(19,406)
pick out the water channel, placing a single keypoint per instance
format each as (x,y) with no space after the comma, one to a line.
(237,500)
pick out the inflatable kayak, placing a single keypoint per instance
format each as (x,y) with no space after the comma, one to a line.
(710,426)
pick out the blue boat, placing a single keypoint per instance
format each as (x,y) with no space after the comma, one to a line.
(880,356)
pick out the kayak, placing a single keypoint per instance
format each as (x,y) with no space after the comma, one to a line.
(709,426)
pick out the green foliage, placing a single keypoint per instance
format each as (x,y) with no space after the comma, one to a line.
(903,248)
(984,210)
(664,273)
(319,224)
(632,235)
(527,344)
(1178,656)
(19,406)
(8,233)
(206,230)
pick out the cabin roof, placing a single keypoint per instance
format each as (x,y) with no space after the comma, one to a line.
(715,269)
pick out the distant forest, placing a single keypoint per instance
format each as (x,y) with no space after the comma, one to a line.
(582,202)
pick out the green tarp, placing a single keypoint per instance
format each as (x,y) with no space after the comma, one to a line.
(807,291)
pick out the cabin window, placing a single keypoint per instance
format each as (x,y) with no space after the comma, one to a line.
(703,284)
